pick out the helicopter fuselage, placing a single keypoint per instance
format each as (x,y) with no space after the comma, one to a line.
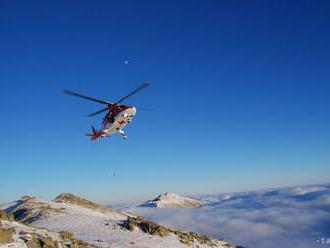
(115,122)
(117,117)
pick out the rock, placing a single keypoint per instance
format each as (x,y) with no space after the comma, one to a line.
(152,228)
(34,243)
(76,200)
(75,243)
(65,235)
(28,198)
(146,226)
(6,216)
(48,242)
(30,209)
(6,235)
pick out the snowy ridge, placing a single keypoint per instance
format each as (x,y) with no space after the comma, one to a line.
(172,200)
(102,227)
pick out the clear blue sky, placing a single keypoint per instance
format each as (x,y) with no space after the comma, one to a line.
(241,90)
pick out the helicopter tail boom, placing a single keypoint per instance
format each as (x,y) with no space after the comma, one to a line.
(96,134)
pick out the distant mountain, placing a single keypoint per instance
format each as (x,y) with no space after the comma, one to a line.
(172,200)
(279,217)
(71,221)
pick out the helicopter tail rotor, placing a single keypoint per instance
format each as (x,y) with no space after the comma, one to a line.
(96,134)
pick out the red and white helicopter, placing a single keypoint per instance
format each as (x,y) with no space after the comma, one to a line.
(117,117)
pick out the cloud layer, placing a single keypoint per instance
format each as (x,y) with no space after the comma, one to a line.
(286,217)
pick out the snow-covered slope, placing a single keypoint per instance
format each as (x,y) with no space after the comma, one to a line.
(101,226)
(21,236)
(172,200)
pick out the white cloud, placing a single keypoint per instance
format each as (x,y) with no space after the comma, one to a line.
(288,217)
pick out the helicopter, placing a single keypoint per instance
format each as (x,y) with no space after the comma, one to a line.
(117,116)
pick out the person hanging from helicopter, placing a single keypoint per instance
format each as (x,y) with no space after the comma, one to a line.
(111,117)
(113,113)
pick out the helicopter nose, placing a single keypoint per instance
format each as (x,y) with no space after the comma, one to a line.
(133,110)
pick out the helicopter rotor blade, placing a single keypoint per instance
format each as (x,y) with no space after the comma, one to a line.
(69,92)
(141,87)
(98,112)
(146,109)
(107,108)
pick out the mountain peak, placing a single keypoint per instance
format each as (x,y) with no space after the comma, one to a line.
(67,197)
(173,200)
(77,200)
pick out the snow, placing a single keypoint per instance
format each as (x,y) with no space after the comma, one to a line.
(279,217)
(19,242)
(100,228)
(172,200)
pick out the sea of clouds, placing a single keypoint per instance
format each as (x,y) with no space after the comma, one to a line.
(285,217)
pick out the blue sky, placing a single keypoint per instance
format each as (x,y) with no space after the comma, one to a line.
(241,90)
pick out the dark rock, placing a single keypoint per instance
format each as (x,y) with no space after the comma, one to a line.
(65,235)
(34,243)
(48,242)
(146,226)
(6,216)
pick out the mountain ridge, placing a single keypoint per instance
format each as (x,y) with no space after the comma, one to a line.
(172,200)
(95,225)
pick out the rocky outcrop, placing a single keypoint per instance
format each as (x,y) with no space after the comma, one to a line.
(153,228)
(34,237)
(6,216)
(6,235)
(76,200)
(29,209)
(146,226)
